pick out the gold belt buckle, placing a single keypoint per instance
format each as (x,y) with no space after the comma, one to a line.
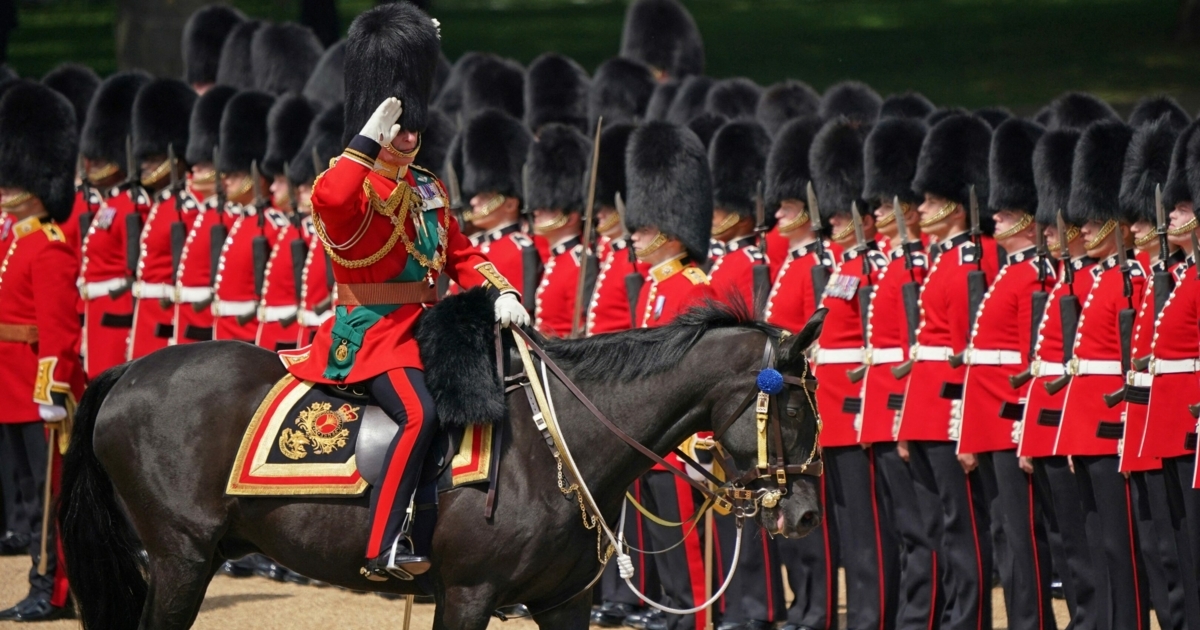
(1073,366)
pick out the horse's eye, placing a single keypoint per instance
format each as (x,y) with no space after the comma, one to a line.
(792,412)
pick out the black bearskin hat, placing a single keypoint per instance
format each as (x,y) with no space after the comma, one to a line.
(556,90)
(494,146)
(236,68)
(621,91)
(283,56)
(705,126)
(939,115)
(661,99)
(1010,166)
(954,157)
(33,115)
(161,114)
(906,105)
(326,85)
(1147,164)
(994,116)
(494,82)
(204,127)
(663,35)
(1152,108)
(1096,172)
(689,100)
(1192,172)
(441,75)
(287,126)
(610,174)
(788,172)
(737,157)
(1052,158)
(391,50)
(1077,110)
(670,186)
(733,98)
(110,118)
(854,100)
(435,143)
(890,159)
(76,82)
(244,131)
(558,169)
(325,139)
(836,161)
(450,98)
(203,37)
(1177,188)
(784,101)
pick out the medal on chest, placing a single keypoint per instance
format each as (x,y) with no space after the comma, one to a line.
(842,286)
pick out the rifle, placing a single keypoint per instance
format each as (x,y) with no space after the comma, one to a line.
(1164,282)
(259,247)
(976,280)
(218,233)
(865,290)
(761,271)
(589,262)
(1038,309)
(633,280)
(1068,308)
(85,217)
(910,291)
(133,220)
(299,246)
(1125,319)
(178,227)
(820,272)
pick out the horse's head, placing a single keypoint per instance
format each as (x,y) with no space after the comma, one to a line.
(786,493)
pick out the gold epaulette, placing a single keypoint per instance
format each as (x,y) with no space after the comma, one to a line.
(53,232)
(696,275)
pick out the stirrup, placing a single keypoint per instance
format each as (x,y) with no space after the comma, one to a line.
(400,565)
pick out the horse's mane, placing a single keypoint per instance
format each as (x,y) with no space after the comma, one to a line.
(633,354)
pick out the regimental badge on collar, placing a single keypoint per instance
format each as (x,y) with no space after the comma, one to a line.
(104,217)
(842,286)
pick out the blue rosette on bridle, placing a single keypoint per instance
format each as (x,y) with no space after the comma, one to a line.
(770,381)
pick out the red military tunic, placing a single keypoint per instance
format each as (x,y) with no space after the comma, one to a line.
(943,332)
(104,272)
(556,292)
(193,281)
(235,299)
(673,287)
(278,310)
(888,345)
(316,304)
(1175,346)
(366,216)
(999,349)
(152,321)
(778,248)
(505,247)
(39,322)
(732,272)
(840,347)
(70,228)
(792,300)
(609,309)
(1089,426)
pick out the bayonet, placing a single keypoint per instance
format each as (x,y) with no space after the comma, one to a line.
(865,289)
(1160,213)
(620,203)
(820,272)
(133,174)
(633,279)
(976,231)
(760,272)
(1037,310)
(1068,307)
(581,291)
(910,291)
(293,195)
(860,239)
(85,188)
(174,176)
(456,202)
(1162,281)
(1064,251)
(260,202)
(976,279)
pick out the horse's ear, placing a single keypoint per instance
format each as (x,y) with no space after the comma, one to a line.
(794,346)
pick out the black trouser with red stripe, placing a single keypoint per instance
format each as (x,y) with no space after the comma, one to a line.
(681,569)
(645,576)
(1184,503)
(868,545)
(919,597)
(1157,545)
(1081,571)
(403,397)
(756,591)
(23,449)
(812,570)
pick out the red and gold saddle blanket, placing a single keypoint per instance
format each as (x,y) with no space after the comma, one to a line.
(311,440)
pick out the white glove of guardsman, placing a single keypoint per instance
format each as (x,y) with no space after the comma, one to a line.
(510,311)
(381,126)
(52,413)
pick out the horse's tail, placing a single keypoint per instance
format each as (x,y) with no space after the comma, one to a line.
(100,548)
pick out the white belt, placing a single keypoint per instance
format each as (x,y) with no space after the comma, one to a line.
(1140,379)
(311,318)
(223,308)
(932,353)
(1046,368)
(1085,367)
(839,355)
(152,291)
(275,313)
(192,295)
(884,356)
(1174,366)
(91,290)
(975,356)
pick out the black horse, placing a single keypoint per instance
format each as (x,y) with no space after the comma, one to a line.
(155,440)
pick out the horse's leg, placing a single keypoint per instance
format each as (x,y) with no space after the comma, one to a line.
(176,589)
(572,615)
(463,608)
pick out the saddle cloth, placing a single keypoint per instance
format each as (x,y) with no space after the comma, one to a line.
(313,440)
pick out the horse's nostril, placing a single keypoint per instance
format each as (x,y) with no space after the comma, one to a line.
(810,518)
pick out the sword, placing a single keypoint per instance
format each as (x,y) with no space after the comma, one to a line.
(820,272)
(1068,307)
(47,496)
(761,272)
(589,255)
(866,289)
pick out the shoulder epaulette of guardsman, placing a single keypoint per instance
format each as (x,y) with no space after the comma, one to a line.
(696,275)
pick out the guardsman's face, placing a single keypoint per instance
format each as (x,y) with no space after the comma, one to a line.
(1105,248)
(842,228)
(491,210)
(1182,215)
(305,201)
(609,222)
(204,178)
(936,206)
(1143,233)
(16,203)
(154,174)
(279,192)
(882,214)
(1050,232)
(239,188)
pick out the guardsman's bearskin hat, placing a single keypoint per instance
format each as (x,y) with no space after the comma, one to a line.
(784,101)
(325,137)
(440,76)
(737,157)
(1178,187)
(450,98)
(689,100)
(1077,110)
(287,126)
(33,115)
(705,126)
(161,113)
(663,35)
(283,56)
(494,146)
(391,50)
(854,100)
(906,105)
(1147,165)
(204,127)
(1192,164)
(788,172)
(1096,172)
(76,82)
(494,82)
(244,131)
(733,98)
(1152,108)
(556,90)
(236,68)
(836,161)
(203,37)
(670,186)
(994,116)
(943,113)
(890,159)
(435,143)
(1010,166)
(621,91)
(558,160)
(661,99)
(954,157)
(610,174)
(326,85)
(1052,158)
(110,118)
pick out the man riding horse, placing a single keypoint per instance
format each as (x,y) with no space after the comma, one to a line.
(387,227)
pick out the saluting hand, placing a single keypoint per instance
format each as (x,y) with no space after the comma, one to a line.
(381,126)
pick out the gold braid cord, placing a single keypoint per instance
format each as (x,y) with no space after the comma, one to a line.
(396,208)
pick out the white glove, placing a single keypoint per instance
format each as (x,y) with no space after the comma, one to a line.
(52,413)
(510,311)
(381,126)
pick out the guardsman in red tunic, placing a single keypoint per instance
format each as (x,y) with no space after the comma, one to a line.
(610,309)
(387,269)
(321,145)
(1090,429)
(41,377)
(161,113)
(78,83)
(558,171)
(193,282)
(737,157)
(106,270)
(954,157)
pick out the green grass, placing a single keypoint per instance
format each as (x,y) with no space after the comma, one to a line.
(963,52)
